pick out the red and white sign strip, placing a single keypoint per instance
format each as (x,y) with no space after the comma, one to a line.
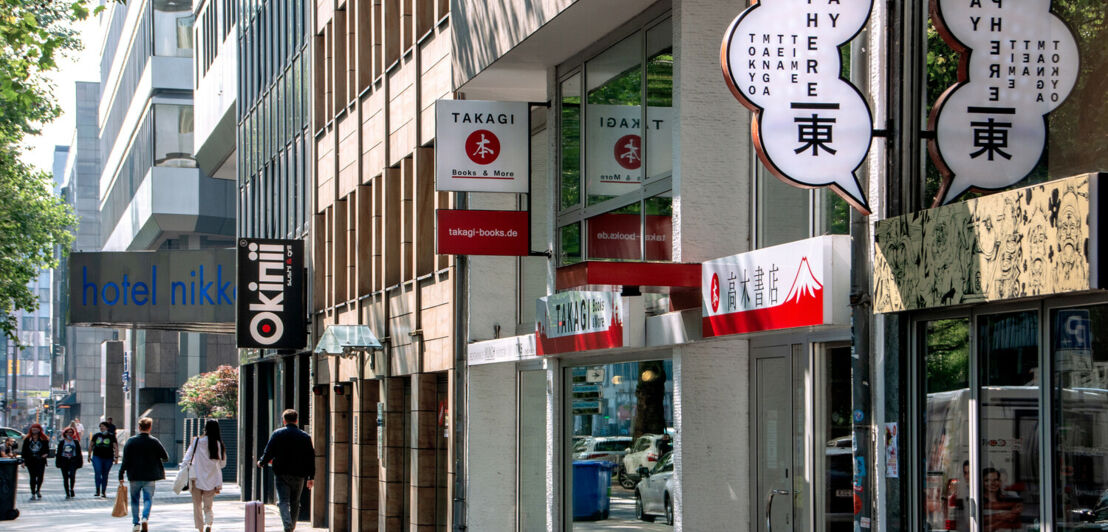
(462,232)
(482,146)
(798,284)
(578,321)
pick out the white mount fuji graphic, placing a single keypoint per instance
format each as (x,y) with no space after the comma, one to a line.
(805,283)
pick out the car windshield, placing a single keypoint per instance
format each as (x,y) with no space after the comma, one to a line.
(580,445)
(665,464)
(611,446)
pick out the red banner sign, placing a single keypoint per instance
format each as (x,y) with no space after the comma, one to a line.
(462,232)
(617,236)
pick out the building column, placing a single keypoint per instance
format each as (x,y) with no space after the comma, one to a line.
(424,459)
(364,496)
(491,449)
(338,474)
(319,416)
(711,414)
(390,496)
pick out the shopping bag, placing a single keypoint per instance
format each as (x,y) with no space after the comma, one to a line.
(120,508)
(181,483)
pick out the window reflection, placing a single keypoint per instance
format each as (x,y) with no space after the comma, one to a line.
(1080,357)
(946,424)
(173,136)
(622,443)
(173,20)
(1008,355)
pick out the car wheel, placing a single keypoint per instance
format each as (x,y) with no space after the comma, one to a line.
(639,513)
(625,480)
(669,511)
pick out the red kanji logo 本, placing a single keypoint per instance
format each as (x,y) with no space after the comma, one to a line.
(628,152)
(482,146)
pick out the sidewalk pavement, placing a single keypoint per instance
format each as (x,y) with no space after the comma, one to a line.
(170,512)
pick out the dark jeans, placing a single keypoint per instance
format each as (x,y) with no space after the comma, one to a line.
(69,477)
(102,467)
(35,471)
(289,488)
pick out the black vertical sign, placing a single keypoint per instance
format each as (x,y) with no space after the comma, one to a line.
(270,288)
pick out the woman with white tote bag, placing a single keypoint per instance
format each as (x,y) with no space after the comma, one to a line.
(206,458)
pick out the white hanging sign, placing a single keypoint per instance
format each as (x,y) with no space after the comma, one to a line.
(482,146)
(811,127)
(1019,62)
(616,155)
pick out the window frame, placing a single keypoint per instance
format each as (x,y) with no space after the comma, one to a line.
(638,27)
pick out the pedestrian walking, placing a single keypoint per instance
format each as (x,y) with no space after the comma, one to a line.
(77,426)
(111,424)
(290,450)
(206,458)
(142,461)
(69,459)
(103,452)
(36,450)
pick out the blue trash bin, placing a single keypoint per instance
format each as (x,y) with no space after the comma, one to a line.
(592,489)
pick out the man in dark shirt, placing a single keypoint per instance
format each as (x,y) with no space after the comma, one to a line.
(290,450)
(142,461)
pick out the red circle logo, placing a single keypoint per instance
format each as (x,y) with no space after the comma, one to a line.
(715,292)
(482,146)
(628,152)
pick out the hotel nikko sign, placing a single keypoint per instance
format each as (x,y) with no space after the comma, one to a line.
(799,284)
(811,127)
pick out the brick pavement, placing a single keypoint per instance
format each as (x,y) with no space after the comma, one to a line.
(170,512)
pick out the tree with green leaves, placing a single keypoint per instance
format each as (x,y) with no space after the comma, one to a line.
(33,221)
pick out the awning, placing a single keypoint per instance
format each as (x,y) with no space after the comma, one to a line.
(70,399)
(346,340)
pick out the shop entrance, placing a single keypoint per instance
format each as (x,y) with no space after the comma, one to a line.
(800,440)
(773,436)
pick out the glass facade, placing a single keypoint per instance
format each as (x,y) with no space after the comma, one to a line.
(615,151)
(273,138)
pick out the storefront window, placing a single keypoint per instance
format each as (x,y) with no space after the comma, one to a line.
(945,454)
(621,426)
(1076,129)
(618,148)
(1008,356)
(1080,355)
(838,504)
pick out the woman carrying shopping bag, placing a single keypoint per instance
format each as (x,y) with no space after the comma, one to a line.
(36,450)
(69,459)
(205,458)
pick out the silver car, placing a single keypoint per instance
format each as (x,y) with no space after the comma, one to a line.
(653,493)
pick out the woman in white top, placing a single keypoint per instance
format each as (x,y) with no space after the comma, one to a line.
(206,458)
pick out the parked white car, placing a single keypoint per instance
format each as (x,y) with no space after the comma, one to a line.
(643,453)
(607,448)
(653,493)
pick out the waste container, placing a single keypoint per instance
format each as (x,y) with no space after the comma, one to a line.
(592,489)
(9,475)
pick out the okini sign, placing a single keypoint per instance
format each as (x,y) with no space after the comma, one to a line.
(798,284)
(482,146)
(578,321)
(811,127)
(271,311)
(1018,63)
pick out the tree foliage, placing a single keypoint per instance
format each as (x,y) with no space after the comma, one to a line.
(211,395)
(33,222)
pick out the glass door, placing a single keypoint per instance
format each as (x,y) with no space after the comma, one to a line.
(773,437)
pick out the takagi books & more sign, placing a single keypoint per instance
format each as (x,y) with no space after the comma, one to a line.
(578,321)
(799,284)
(482,146)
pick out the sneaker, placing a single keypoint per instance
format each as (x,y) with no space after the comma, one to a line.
(39,495)
(32,496)
(144,526)
(136,528)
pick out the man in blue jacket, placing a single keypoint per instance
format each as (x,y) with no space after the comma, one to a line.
(290,450)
